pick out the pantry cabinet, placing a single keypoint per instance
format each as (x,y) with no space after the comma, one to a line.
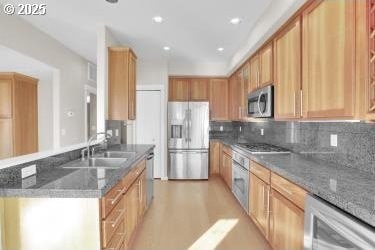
(219,99)
(287,63)
(121,83)
(328,55)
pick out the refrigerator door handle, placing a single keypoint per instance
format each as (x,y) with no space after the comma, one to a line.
(186,125)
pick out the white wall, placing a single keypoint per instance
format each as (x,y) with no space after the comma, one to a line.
(24,38)
(105,39)
(198,69)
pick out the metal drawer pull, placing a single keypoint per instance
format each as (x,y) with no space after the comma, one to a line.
(285,190)
(117,220)
(114,200)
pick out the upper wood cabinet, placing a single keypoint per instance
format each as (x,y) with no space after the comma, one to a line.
(122,83)
(199,89)
(329,59)
(179,89)
(234,85)
(254,73)
(18,115)
(287,63)
(219,99)
(265,65)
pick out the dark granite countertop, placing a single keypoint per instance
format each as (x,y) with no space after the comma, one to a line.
(349,189)
(61,182)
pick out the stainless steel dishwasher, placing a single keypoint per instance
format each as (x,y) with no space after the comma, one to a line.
(150,178)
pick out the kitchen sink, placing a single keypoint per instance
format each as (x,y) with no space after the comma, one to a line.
(100,163)
(118,154)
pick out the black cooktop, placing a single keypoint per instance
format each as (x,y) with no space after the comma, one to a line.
(261,148)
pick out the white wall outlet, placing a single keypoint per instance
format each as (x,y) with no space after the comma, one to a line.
(28,171)
(110,132)
(221,128)
(240,128)
(117,132)
(333,185)
(63,131)
(333,140)
(261,131)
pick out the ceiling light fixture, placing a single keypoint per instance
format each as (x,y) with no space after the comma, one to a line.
(112,1)
(220,49)
(235,20)
(157,19)
(166,48)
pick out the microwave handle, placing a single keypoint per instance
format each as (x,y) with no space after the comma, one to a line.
(260,95)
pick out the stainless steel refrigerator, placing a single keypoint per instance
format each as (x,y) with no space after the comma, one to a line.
(188,140)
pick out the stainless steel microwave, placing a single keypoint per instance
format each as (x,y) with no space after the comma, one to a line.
(260,102)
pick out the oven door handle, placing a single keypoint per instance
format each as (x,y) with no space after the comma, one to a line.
(260,96)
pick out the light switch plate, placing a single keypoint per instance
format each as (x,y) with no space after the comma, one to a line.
(28,171)
(333,140)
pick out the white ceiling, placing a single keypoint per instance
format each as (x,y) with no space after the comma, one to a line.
(193,29)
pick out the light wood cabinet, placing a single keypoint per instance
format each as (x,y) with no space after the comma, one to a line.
(287,46)
(179,89)
(246,88)
(131,211)
(121,84)
(142,194)
(226,168)
(328,55)
(219,99)
(370,83)
(265,65)
(286,223)
(18,115)
(199,89)
(254,73)
(215,151)
(233,94)
(259,192)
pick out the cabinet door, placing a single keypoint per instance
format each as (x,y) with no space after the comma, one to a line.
(246,88)
(5,98)
(259,203)
(6,135)
(286,223)
(199,89)
(266,65)
(219,99)
(142,195)
(131,210)
(132,86)
(288,72)
(25,125)
(233,97)
(179,89)
(329,59)
(254,73)
(215,157)
(227,169)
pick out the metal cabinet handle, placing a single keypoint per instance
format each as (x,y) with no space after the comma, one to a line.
(117,220)
(117,197)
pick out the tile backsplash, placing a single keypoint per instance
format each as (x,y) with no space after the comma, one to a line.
(355,140)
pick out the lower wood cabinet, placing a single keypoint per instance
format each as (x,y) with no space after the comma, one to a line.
(226,166)
(286,223)
(215,151)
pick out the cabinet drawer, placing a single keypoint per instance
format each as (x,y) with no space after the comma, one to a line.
(113,224)
(109,201)
(261,172)
(289,190)
(227,150)
(133,175)
(118,240)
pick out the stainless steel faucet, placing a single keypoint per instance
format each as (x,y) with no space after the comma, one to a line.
(87,149)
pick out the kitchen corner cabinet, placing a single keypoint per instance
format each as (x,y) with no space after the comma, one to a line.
(179,89)
(18,115)
(219,99)
(215,152)
(121,83)
(287,63)
(328,55)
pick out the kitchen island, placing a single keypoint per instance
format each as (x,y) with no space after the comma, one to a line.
(77,206)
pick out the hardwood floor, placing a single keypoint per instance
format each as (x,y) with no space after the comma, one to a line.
(196,215)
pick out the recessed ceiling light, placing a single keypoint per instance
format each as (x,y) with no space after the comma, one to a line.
(157,19)
(235,20)
(112,1)
(166,48)
(220,49)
